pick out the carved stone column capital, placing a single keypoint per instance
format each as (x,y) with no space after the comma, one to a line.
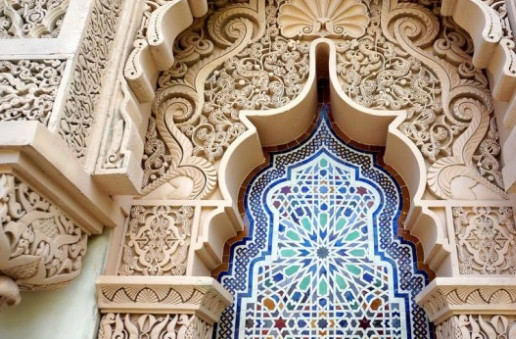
(450,297)
(201,296)
(159,307)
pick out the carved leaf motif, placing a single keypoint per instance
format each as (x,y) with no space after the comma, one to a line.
(171,326)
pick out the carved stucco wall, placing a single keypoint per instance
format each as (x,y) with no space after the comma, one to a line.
(246,63)
(170,113)
(54,64)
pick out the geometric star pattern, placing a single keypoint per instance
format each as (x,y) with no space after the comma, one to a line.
(323,259)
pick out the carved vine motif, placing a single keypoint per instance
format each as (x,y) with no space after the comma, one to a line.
(177,326)
(92,60)
(421,64)
(485,240)
(427,71)
(168,153)
(29,88)
(459,133)
(157,241)
(254,73)
(40,247)
(477,326)
(31,18)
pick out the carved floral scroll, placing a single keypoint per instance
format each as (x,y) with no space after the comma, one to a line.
(40,247)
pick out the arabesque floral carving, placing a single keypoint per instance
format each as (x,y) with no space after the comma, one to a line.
(178,326)
(477,326)
(486,240)
(29,88)
(157,241)
(31,18)
(40,247)
(203,116)
(85,90)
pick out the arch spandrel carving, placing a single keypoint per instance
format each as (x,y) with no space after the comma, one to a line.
(406,81)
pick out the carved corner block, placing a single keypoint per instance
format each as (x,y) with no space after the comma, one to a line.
(447,297)
(200,296)
(41,248)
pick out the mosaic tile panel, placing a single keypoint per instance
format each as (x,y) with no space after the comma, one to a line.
(323,258)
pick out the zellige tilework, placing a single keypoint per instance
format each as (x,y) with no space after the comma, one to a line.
(323,258)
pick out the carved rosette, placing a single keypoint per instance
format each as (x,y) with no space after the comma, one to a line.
(485,240)
(40,247)
(157,241)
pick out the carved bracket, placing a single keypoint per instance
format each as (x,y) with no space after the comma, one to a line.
(41,248)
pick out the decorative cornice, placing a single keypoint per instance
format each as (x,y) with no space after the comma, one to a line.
(202,296)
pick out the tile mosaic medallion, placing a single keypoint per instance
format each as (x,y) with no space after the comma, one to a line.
(323,259)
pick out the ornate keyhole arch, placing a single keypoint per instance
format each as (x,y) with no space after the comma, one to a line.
(401,76)
(321,256)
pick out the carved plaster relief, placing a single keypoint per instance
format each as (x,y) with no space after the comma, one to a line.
(326,18)
(40,247)
(485,239)
(268,73)
(157,241)
(91,65)
(178,326)
(477,326)
(242,57)
(430,75)
(31,18)
(29,88)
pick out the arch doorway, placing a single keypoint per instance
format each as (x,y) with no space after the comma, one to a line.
(322,257)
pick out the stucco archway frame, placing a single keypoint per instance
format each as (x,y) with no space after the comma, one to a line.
(432,223)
